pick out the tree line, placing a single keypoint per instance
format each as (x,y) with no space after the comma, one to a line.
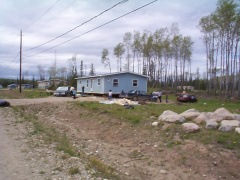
(220,35)
(163,55)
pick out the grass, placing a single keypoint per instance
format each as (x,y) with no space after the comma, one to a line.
(140,115)
(73,170)
(103,170)
(229,140)
(26,93)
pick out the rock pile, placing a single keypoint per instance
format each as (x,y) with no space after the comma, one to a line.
(221,119)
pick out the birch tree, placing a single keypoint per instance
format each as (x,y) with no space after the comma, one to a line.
(105,58)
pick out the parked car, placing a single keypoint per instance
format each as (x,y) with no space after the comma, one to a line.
(136,95)
(186,98)
(4,103)
(62,91)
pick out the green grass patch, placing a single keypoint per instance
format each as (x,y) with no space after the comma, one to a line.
(26,93)
(102,169)
(74,170)
(229,140)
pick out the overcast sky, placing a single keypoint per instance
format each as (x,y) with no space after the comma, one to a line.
(44,20)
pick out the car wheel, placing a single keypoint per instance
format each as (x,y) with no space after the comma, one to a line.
(135,98)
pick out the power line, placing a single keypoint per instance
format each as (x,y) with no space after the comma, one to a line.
(78,25)
(62,10)
(94,29)
(9,66)
(44,12)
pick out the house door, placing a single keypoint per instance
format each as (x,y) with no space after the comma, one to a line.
(91,84)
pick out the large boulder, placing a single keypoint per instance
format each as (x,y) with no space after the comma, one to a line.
(173,118)
(170,116)
(225,128)
(190,127)
(190,114)
(233,123)
(210,124)
(191,110)
(203,117)
(221,114)
(237,116)
(237,130)
(167,113)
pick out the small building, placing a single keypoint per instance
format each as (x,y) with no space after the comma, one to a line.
(1,86)
(12,86)
(27,86)
(117,82)
(44,84)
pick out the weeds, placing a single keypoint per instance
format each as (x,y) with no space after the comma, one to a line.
(102,169)
(73,170)
(51,135)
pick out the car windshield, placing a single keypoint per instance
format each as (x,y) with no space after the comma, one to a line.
(63,88)
(132,91)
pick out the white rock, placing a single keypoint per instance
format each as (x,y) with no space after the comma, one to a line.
(167,113)
(222,114)
(237,130)
(162,171)
(155,123)
(191,110)
(173,118)
(203,117)
(233,123)
(190,115)
(237,116)
(225,128)
(170,116)
(190,127)
(211,124)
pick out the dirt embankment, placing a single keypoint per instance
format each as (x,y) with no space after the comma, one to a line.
(134,152)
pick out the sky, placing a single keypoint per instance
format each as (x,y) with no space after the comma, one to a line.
(44,20)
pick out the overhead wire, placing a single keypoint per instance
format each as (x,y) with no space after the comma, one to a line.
(9,66)
(77,26)
(44,13)
(62,10)
(94,28)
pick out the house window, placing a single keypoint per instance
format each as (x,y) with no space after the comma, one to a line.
(87,83)
(135,83)
(80,82)
(115,82)
(98,82)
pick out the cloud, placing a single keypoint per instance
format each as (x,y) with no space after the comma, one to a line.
(65,15)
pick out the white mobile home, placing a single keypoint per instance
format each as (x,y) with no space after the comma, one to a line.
(117,82)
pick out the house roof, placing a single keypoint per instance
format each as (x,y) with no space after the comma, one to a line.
(111,74)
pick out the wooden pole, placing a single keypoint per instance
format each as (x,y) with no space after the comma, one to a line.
(20,88)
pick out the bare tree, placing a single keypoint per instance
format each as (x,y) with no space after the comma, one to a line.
(41,72)
(127,40)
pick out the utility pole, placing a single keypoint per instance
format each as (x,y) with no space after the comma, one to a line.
(20,88)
